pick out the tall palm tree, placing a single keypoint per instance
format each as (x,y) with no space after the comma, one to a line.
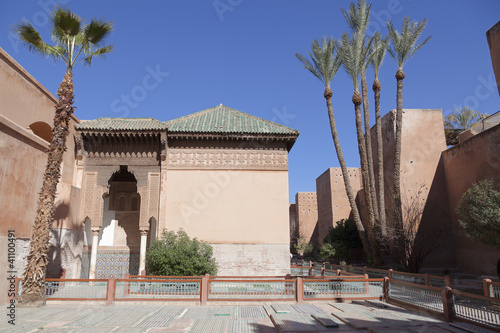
(403,46)
(459,121)
(358,18)
(351,53)
(324,65)
(379,49)
(72,39)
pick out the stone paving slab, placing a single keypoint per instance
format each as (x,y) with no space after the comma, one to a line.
(357,320)
(246,312)
(210,325)
(296,323)
(471,328)
(306,308)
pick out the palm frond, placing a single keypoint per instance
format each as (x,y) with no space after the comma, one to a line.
(351,54)
(358,17)
(378,50)
(99,53)
(32,39)
(463,119)
(324,63)
(65,24)
(97,31)
(404,44)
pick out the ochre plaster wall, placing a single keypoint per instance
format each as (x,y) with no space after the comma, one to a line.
(471,161)
(221,206)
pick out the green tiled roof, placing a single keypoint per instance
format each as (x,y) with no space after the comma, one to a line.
(222,119)
(122,124)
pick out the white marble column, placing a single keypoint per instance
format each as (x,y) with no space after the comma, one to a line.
(93,254)
(142,256)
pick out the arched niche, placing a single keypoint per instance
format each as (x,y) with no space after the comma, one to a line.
(124,202)
(42,130)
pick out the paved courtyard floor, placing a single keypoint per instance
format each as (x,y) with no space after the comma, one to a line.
(343,317)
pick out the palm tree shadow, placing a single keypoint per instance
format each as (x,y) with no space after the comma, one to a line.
(54,266)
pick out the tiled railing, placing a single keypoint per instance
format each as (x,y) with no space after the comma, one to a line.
(158,289)
(491,289)
(257,289)
(72,289)
(416,295)
(373,273)
(315,289)
(479,309)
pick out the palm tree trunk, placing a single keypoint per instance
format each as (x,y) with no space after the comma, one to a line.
(357,100)
(398,213)
(369,153)
(347,182)
(33,283)
(380,152)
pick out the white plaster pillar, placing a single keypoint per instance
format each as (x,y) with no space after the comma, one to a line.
(93,254)
(142,255)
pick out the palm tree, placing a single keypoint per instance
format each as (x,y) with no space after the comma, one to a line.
(358,18)
(379,49)
(72,38)
(403,47)
(324,65)
(353,58)
(460,120)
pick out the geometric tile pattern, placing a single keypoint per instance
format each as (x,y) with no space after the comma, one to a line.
(112,264)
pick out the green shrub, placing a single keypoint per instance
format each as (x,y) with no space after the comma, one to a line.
(327,251)
(343,238)
(175,254)
(479,212)
(303,247)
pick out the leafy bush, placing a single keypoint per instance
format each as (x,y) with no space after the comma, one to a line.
(343,238)
(303,247)
(175,254)
(479,213)
(327,251)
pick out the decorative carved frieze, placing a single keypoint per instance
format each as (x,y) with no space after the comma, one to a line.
(143,215)
(154,194)
(113,161)
(189,159)
(90,180)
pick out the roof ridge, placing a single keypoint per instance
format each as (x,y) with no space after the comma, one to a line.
(192,115)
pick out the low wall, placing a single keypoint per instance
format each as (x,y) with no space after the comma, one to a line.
(252,259)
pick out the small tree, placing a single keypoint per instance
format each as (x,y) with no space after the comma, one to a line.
(303,246)
(175,254)
(479,213)
(327,251)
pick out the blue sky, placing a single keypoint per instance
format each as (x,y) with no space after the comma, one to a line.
(241,53)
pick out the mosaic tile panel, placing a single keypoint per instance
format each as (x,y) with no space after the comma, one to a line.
(113,264)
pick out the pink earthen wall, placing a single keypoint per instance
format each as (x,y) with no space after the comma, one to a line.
(333,204)
(493,37)
(22,155)
(471,161)
(306,206)
(422,181)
